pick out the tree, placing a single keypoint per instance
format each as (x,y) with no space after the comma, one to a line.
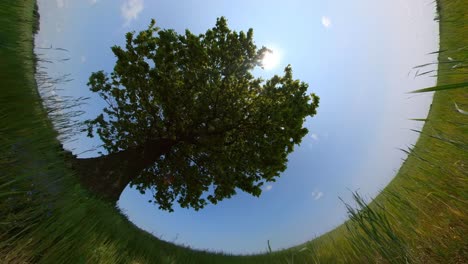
(186,118)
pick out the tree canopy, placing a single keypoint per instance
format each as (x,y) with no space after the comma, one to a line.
(227,129)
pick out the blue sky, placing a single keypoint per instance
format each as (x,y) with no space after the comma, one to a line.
(357,56)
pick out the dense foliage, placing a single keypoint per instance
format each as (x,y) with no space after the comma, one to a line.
(227,128)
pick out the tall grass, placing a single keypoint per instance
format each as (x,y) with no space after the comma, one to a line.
(371,233)
(46,217)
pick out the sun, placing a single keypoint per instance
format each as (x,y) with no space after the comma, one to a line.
(270,60)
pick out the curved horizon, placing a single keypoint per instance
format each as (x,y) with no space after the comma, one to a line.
(361,73)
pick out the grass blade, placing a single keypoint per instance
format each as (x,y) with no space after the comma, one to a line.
(442,87)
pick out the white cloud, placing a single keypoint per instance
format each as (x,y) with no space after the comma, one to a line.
(83,59)
(93,2)
(44,43)
(130,10)
(60,3)
(268,187)
(314,137)
(317,195)
(326,22)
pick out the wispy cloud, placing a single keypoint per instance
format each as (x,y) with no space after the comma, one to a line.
(93,2)
(44,43)
(317,195)
(83,59)
(326,21)
(60,3)
(268,187)
(130,10)
(314,137)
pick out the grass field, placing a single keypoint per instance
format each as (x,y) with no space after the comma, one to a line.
(46,217)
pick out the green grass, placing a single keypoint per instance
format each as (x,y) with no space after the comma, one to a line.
(46,217)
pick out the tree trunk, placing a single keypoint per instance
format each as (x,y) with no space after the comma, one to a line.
(107,176)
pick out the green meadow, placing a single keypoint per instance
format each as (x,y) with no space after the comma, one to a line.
(46,217)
